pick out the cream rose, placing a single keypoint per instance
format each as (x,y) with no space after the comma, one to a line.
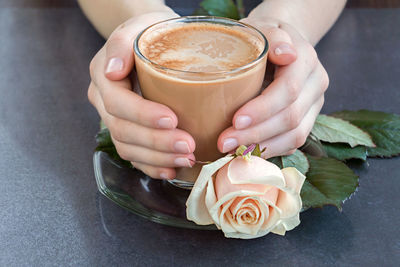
(246,198)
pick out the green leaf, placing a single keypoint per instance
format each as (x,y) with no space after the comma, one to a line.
(221,8)
(200,12)
(102,125)
(105,144)
(329,182)
(313,147)
(297,160)
(334,130)
(277,161)
(384,129)
(343,151)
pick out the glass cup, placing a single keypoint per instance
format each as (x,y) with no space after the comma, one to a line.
(204,102)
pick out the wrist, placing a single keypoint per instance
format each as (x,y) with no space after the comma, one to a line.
(277,13)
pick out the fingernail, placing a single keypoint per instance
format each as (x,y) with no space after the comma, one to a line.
(182,147)
(229,144)
(242,122)
(166,123)
(164,175)
(183,162)
(284,49)
(114,64)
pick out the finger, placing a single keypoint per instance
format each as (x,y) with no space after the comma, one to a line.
(144,155)
(281,49)
(155,172)
(171,141)
(290,152)
(283,91)
(295,138)
(119,46)
(117,99)
(287,119)
(174,140)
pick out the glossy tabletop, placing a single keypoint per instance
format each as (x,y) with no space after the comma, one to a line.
(51,213)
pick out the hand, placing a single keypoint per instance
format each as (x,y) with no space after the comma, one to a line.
(281,118)
(143,132)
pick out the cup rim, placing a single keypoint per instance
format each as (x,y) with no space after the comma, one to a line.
(202,18)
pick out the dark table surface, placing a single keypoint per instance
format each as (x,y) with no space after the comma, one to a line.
(52,214)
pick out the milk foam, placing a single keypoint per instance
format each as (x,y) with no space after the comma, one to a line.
(201,47)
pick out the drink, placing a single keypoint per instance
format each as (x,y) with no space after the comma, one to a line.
(204,69)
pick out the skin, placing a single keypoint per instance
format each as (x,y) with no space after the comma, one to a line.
(280,119)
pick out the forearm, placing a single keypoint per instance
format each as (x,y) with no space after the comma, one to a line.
(106,15)
(312,18)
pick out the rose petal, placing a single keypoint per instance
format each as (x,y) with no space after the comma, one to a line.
(230,196)
(224,186)
(224,216)
(271,195)
(239,203)
(291,223)
(255,171)
(293,178)
(196,209)
(279,229)
(246,215)
(245,236)
(261,231)
(286,225)
(210,200)
(289,200)
(250,211)
(273,219)
(250,229)
(290,204)
(245,205)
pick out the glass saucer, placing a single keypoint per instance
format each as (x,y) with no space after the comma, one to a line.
(155,200)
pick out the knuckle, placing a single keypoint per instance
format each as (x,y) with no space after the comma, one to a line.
(321,102)
(90,94)
(254,136)
(311,53)
(325,80)
(118,36)
(290,152)
(122,152)
(92,67)
(108,101)
(116,130)
(300,137)
(118,134)
(153,139)
(293,89)
(293,116)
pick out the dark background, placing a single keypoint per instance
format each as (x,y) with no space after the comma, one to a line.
(51,213)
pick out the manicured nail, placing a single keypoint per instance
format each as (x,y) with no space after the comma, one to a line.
(164,175)
(284,49)
(166,123)
(229,144)
(182,162)
(242,122)
(115,64)
(182,147)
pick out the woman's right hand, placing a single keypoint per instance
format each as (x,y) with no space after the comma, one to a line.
(143,132)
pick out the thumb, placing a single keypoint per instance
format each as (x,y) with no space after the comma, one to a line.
(281,49)
(119,46)
(119,54)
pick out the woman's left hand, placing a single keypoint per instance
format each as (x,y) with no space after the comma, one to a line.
(281,118)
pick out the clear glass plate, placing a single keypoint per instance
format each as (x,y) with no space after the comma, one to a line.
(155,200)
